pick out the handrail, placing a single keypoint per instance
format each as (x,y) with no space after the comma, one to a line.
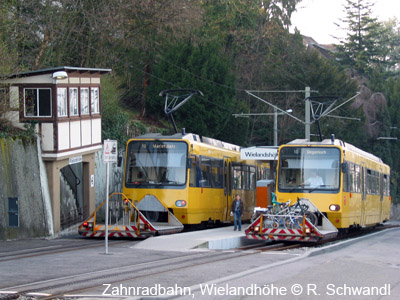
(73,185)
(93,215)
(124,197)
(142,223)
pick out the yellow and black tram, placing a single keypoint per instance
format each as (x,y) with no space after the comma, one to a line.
(194,177)
(350,186)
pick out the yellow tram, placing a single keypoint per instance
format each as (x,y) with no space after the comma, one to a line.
(195,178)
(348,185)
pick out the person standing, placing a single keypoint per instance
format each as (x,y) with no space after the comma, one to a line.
(237,210)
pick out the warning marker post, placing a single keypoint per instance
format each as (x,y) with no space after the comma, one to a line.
(110,154)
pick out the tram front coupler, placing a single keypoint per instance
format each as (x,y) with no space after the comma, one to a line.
(158,215)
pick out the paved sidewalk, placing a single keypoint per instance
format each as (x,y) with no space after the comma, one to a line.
(218,238)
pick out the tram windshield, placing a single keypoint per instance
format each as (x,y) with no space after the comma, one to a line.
(156,163)
(315,168)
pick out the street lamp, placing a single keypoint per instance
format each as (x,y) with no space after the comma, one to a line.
(60,75)
(275,114)
(276,123)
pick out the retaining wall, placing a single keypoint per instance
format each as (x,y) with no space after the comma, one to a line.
(21,180)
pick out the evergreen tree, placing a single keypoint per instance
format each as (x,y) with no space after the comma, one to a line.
(359,49)
(203,67)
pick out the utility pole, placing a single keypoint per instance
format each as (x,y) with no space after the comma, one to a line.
(307,114)
(275,127)
(307,121)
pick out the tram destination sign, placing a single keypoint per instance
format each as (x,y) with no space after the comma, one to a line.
(259,153)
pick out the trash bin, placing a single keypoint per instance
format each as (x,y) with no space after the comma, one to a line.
(264,189)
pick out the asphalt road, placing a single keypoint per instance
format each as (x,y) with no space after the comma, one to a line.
(80,269)
(363,268)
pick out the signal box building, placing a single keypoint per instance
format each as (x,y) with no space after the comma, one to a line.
(65,103)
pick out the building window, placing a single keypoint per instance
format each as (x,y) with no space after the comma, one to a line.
(37,102)
(62,102)
(3,97)
(73,102)
(94,98)
(84,101)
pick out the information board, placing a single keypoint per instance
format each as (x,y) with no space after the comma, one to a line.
(110,152)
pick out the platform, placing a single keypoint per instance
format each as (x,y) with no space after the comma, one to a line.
(222,238)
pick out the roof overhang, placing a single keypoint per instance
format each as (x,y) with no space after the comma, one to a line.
(57,69)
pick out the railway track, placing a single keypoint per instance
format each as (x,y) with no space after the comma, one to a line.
(271,246)
(282,246)
(53,249)
(65,287)
(132,274)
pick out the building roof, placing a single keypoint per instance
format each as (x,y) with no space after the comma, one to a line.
(327,50)
(64,68)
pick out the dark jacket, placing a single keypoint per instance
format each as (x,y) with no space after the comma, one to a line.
(241,206)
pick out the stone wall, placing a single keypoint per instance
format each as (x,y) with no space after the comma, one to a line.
(21,178)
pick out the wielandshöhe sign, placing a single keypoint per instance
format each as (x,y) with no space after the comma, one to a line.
(259,153)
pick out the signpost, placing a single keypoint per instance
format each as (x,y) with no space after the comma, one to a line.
(110,154)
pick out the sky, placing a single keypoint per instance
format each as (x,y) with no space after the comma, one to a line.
(316,18)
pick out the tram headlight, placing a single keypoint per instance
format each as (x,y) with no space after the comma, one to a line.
(180,203)
(334,207)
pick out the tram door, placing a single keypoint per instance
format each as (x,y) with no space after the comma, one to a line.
(227,186)
(381,188)
(364,195)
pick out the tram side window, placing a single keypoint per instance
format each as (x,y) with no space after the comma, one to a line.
(244,177)
(237,177)
(193,173)
(211,172)
(386,185)
(216,172)
(372,182)
(252,176)
(346,180)
(205,170)
(262,172)
(355,178)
